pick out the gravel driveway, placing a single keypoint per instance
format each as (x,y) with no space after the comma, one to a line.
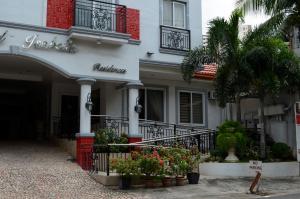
(32,170)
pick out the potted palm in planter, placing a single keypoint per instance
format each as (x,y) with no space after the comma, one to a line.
(126,168)
(231,138)
(193,160)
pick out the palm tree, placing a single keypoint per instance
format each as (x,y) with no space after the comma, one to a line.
(228,51)
(225,46)
(274,68)
(285,14)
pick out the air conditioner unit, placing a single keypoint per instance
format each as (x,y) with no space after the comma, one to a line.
(212,95)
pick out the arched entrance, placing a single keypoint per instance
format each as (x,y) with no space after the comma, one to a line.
(28,99)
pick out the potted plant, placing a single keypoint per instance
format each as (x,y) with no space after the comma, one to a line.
(166,174)
(126,168)
(231,138)
(166,171)
(193,160)
(150,165)
(179,165)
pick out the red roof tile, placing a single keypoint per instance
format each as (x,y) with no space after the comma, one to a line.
(208,72)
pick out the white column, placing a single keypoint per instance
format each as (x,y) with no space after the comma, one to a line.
(133,116)
(85,115)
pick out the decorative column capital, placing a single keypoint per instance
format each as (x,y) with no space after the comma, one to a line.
(134,84)
(86,81)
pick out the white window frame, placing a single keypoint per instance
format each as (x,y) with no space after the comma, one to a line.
(164,101)
(173,15)
(191,102)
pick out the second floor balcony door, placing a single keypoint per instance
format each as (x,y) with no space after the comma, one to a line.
(97,15)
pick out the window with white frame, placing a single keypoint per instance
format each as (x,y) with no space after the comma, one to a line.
(191,107)
(174,13)
(153,103)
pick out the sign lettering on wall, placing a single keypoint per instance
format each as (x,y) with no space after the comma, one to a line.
(111,69)
(34,41)
(3,36)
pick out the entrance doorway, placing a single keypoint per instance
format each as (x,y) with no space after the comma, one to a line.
(23,110)
(69,116)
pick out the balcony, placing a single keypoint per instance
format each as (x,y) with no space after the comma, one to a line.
(175,39)
(100,21)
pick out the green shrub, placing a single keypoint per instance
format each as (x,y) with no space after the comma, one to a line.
(281,151)
(108,136)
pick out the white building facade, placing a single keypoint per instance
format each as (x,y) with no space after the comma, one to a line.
(58,56)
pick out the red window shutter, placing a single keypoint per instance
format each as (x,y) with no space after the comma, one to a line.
(60,13)
(133,23)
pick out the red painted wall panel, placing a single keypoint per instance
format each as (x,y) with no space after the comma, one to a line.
(133,23)
(60,13)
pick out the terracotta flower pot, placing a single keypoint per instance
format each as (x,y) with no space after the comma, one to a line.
(149,182)
(167,181)
(180,181)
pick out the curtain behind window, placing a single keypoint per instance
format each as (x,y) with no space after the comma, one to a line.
(155,105)
(167,13)
(197,108)
(185,107)
(179,11)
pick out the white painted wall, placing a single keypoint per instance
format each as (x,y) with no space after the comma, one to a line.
(81,63)
(278,169)
(150,21)
(113,98)
(32,12)
(213,117)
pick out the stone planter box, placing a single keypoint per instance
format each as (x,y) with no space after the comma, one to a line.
(274,169)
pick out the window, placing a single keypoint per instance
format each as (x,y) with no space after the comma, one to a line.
(153,102)
(174,13)
(191,107)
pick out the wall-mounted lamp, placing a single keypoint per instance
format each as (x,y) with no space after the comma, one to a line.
(89,103)
(138,108)
(149,53)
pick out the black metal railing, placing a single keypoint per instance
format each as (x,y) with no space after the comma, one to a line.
(118,125)
(100,156)
(175,38)
(204,139)
(153,131)
(101,16)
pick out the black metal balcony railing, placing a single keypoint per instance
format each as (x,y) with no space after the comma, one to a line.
(101,16)
(175,38)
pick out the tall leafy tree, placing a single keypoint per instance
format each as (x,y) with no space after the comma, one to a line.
(273,68)
(285,14)
(225,46)
(227,50)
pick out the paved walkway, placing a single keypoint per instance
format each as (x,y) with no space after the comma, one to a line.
(31,170)
(236,188)
(38,171)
